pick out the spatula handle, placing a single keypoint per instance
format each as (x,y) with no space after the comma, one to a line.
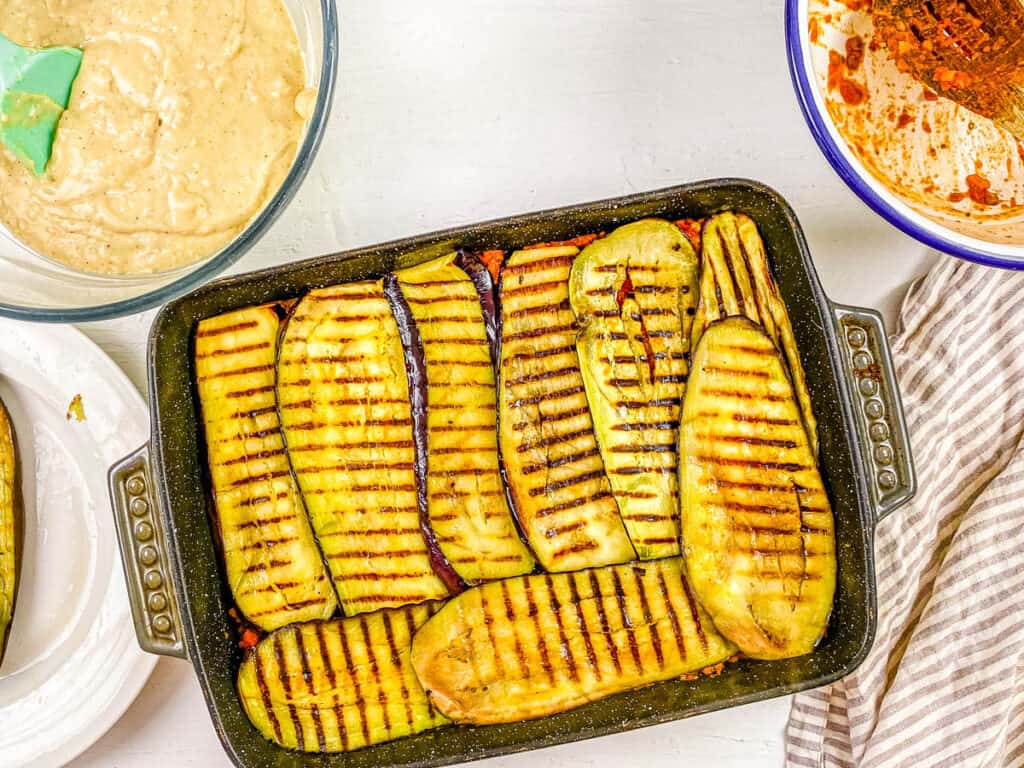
(12,59)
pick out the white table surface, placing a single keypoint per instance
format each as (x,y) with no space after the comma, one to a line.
(456,111)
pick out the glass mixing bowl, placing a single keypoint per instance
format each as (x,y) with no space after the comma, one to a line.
(35,288)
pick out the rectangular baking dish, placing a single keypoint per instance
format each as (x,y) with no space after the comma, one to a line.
(180,598)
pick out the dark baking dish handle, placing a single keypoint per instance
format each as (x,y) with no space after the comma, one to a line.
(875,396)
(143,541)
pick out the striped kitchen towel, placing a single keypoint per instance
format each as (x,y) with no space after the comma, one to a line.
(944,682)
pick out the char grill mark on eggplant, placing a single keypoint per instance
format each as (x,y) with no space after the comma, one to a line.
(536,645)
(334,686)
(273,565)
(758,530)
(10,528)
(737,281)
(544,421)
(633,293)
(466,510)
(343,396)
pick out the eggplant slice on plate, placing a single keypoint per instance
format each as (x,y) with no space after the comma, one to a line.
(736,280)
(10,528)
(336,686)
(758,532)
(633,293)
(455,414)
(343,395)
(536,645)
(560,492)
(274,568)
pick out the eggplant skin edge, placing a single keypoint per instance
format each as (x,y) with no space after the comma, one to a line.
(463,499)
(10,528)
(416,376)
(487,292)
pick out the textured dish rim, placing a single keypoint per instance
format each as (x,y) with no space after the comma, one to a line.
(857,178)
(249,236)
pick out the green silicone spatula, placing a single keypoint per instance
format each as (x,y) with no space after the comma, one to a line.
(35,86)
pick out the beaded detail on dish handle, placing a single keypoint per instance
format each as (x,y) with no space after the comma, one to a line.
(875,396)
(144,556)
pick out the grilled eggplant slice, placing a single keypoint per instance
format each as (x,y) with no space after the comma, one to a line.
(273,565)
(758,533)
(536,645)
(10,529)
(416,379)
(338,685)
(344,400)
(633,293)
(467,510)
(556,478)
(486,292)
(737,280)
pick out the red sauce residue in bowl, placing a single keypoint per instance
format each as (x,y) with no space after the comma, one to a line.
(815,30)
(853,93)
(854,53)
(979,189)
(836,70)
(916,143)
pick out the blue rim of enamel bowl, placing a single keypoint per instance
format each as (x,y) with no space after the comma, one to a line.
(931,235)
(249,236)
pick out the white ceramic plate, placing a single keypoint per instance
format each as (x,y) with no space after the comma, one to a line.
(73,664)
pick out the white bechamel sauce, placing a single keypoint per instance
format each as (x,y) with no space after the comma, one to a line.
(184,120)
